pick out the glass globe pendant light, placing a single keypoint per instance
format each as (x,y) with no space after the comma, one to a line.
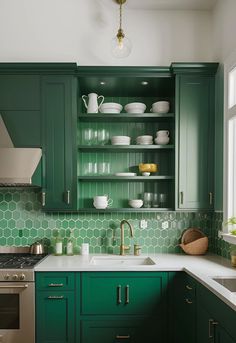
(121,45)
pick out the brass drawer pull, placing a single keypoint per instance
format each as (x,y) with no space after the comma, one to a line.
(127,294)
(188,287)
(119,294)
(188,301)
(123,337)
(211,322)
(55,285)
(57,297)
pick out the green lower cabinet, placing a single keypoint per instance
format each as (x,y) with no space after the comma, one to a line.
(116,330)
(55,317)
(124,293)
(182,322)
(215,320)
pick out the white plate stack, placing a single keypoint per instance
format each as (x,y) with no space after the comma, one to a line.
(144,140)
(120,140)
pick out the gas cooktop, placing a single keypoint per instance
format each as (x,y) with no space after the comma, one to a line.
(19,260)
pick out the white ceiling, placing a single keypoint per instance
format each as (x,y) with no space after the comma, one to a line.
(171,4)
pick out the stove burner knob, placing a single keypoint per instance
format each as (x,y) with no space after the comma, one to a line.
(6,277)
(15,277)
(22,277)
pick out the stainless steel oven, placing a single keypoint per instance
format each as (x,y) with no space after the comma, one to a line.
(17,318)
(17,295)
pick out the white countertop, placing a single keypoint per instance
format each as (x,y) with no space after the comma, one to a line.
(202,268)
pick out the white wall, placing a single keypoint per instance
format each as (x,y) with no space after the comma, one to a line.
(224,29)
(81,31)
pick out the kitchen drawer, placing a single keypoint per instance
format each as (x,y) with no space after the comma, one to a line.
(119,330)
(129,293)
(55,281)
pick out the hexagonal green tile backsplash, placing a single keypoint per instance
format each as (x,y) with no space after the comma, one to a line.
(22,222)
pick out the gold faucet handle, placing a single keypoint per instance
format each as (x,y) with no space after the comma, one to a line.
(127,247)
(137,249)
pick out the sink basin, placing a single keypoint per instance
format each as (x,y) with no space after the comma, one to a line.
(227,282)
(122,261)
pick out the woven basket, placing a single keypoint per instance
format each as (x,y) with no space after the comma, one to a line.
(194,242)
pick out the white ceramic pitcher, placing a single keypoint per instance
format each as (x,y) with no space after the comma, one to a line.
(92,105)
(162,137)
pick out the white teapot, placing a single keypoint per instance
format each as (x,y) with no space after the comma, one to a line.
(92,105)
(162,137)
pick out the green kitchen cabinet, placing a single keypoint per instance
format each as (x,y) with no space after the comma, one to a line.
(59,142)
(55,308)
(20,104)
(195,111)
(121,330)
(124,293)
(215,320)
(123,306)
(195,123)
(182,308)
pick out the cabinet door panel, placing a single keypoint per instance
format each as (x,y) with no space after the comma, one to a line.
(55,317)
(222,336)
(121,293)
(19,92)
(59,142)
(196,143)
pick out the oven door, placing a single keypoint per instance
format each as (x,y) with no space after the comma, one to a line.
(17,312)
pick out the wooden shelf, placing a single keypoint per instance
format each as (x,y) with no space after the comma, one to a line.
(124,148)
(125,178)
(110,210)
(125,117)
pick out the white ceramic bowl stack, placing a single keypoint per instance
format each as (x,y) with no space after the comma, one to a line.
(136,203)
(160,107)
(110,107)
(144,140)
(120,140)
(135,107)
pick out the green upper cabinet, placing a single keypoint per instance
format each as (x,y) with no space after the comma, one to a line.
(59,142)
(20,104)
(195,139)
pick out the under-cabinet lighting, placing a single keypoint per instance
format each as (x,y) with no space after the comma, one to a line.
(144,83)
(102,83)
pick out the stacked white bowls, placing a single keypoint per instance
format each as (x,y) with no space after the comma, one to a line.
(110,107)
(120,140)
(160,107)
(135,107)
(144,140)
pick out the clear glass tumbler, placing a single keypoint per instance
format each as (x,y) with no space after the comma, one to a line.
(147,199)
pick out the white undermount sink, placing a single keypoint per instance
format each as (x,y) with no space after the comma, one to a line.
(227,282)
(121,261)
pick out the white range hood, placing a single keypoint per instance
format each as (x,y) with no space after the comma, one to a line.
(17,165)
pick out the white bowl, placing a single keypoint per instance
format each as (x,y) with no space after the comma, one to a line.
(146,137)
(110,107)
(135,107)
(136,203)
(160,107)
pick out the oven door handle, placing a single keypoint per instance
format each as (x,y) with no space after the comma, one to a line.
(13,286)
